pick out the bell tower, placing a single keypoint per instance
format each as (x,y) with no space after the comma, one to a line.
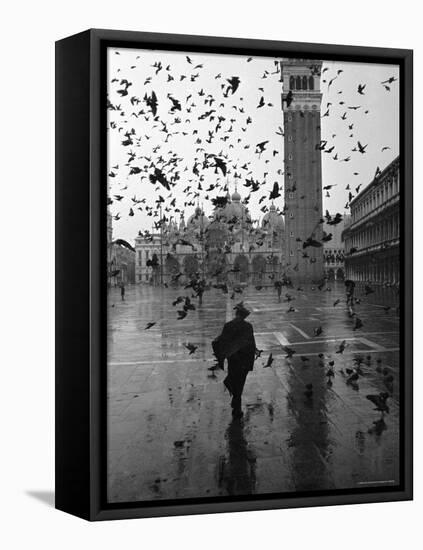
(301,102)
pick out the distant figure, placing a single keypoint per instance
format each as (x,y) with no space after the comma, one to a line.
(122,291)
(278,286)
(199,286)
(200,290)
(236,344)
(349,288)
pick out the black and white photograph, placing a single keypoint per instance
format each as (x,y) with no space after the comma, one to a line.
(253,275)
(209,223)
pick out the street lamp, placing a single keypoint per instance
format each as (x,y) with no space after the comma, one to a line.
(202,242)
(161,246)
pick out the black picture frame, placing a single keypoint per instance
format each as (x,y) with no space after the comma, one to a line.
(80,263)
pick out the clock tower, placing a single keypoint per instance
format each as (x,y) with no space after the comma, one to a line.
(301,102)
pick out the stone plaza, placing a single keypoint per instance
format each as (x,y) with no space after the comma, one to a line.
(170,430)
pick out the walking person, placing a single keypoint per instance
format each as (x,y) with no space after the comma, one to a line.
(236,344)
(350,287)
(122,292)
(200,288)
(278,286)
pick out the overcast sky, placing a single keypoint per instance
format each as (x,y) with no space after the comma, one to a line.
(375,123)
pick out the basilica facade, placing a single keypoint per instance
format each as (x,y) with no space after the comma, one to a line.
(227,246)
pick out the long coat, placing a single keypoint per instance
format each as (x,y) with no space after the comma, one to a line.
(236,343)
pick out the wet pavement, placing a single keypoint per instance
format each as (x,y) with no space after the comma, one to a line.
(170,429)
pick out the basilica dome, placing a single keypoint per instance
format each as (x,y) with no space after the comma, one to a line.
(233,210)
(236,197)
(197,220)
(273,220)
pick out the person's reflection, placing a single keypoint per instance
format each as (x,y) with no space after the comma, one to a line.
(309,441)
(238,474)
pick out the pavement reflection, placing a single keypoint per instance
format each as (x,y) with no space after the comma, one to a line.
(307,423)
(237,467)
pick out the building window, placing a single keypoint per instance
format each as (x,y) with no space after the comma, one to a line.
(290,156)
(291,234)
(310,83)
(304,83)
(289,138)
(291,252)
(289,118)
(298,82)
(291,215)
(291,195)
(291,83)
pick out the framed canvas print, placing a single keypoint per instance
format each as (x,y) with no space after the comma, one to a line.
(234,274)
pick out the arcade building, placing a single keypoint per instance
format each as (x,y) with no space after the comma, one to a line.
(372,239)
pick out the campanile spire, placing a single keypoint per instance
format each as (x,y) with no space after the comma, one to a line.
(301,101)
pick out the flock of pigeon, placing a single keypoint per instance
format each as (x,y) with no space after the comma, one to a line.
(211,130)
(199,122)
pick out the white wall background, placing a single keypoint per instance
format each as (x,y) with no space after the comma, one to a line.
(28,32)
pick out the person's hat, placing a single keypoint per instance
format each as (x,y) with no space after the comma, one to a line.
(242,310)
